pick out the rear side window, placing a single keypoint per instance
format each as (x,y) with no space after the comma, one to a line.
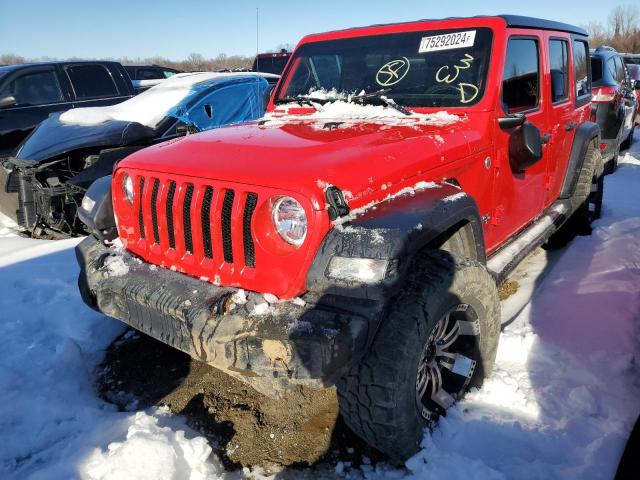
(559,63)
(36,88)
(621,75)
(581,68)
(521,79)
(596,69)
(91,81)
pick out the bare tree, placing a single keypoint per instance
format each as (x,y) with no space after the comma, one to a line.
(622,30)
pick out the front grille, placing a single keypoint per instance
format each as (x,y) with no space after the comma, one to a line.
(204,221)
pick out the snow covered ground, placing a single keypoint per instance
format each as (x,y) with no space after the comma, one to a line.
(560,403)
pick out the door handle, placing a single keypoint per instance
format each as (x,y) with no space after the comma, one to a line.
(570,126)
(546,137)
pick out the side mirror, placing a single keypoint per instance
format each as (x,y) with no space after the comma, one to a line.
(525,147)
(8,101)
(636,85)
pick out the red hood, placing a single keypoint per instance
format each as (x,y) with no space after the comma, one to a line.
(363,159)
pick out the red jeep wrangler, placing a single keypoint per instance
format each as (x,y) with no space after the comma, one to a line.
(356,234)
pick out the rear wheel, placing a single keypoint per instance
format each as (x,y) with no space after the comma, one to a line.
(438,340)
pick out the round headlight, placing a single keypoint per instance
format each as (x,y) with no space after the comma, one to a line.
(290,220)
(127,188)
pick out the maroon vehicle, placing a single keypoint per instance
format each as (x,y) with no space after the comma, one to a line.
(271,62)
(355,235)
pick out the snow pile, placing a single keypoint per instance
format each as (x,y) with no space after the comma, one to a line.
(149,107)
(8,227)
(153,451)
(340,108)
(115,266)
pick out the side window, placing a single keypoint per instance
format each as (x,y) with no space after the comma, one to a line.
(224,106)
(149,74)
(559,63)
(168,73)
(326,70)
(581,68)
(35,89)
(521,79)
(611,65)
(620,74)
(91,81)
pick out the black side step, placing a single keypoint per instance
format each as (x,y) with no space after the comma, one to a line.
(505,260)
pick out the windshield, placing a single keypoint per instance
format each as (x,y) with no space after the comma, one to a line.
(443,68)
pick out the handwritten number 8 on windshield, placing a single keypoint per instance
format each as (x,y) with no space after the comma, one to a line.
(468,91)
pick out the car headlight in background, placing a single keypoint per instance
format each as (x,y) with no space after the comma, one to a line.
(127,188)
(290,220)
(361,270)
(87,203)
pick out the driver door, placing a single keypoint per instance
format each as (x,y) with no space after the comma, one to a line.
(520,194)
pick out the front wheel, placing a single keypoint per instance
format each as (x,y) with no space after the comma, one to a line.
(438,340)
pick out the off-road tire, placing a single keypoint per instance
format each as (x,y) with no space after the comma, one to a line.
(378,396)
(585,203)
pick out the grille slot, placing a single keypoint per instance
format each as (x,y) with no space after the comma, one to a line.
(154,210)
(140,213)
(205,218)
(247,239)
(169,209)
(186,215)
(227,207)
(202,220)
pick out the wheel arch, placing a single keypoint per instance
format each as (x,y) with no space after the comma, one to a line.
(588,133)
(443,217)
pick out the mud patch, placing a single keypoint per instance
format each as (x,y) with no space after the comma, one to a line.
(507,288)
(244,427)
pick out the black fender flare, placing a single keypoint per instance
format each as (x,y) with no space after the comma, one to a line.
(585,134)
(394,230)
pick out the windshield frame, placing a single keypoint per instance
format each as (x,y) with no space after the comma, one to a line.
(425,30)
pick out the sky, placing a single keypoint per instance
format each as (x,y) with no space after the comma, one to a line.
(176,28)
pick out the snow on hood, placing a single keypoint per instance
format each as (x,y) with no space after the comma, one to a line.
(151,106)
(341,108)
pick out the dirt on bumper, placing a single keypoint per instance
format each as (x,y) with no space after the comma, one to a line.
(271,346)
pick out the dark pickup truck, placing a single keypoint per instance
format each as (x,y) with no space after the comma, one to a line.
(30,92)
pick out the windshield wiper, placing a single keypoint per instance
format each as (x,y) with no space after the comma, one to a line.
(377,98)
(309,100)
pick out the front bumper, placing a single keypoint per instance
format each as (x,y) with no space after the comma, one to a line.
(272,348)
